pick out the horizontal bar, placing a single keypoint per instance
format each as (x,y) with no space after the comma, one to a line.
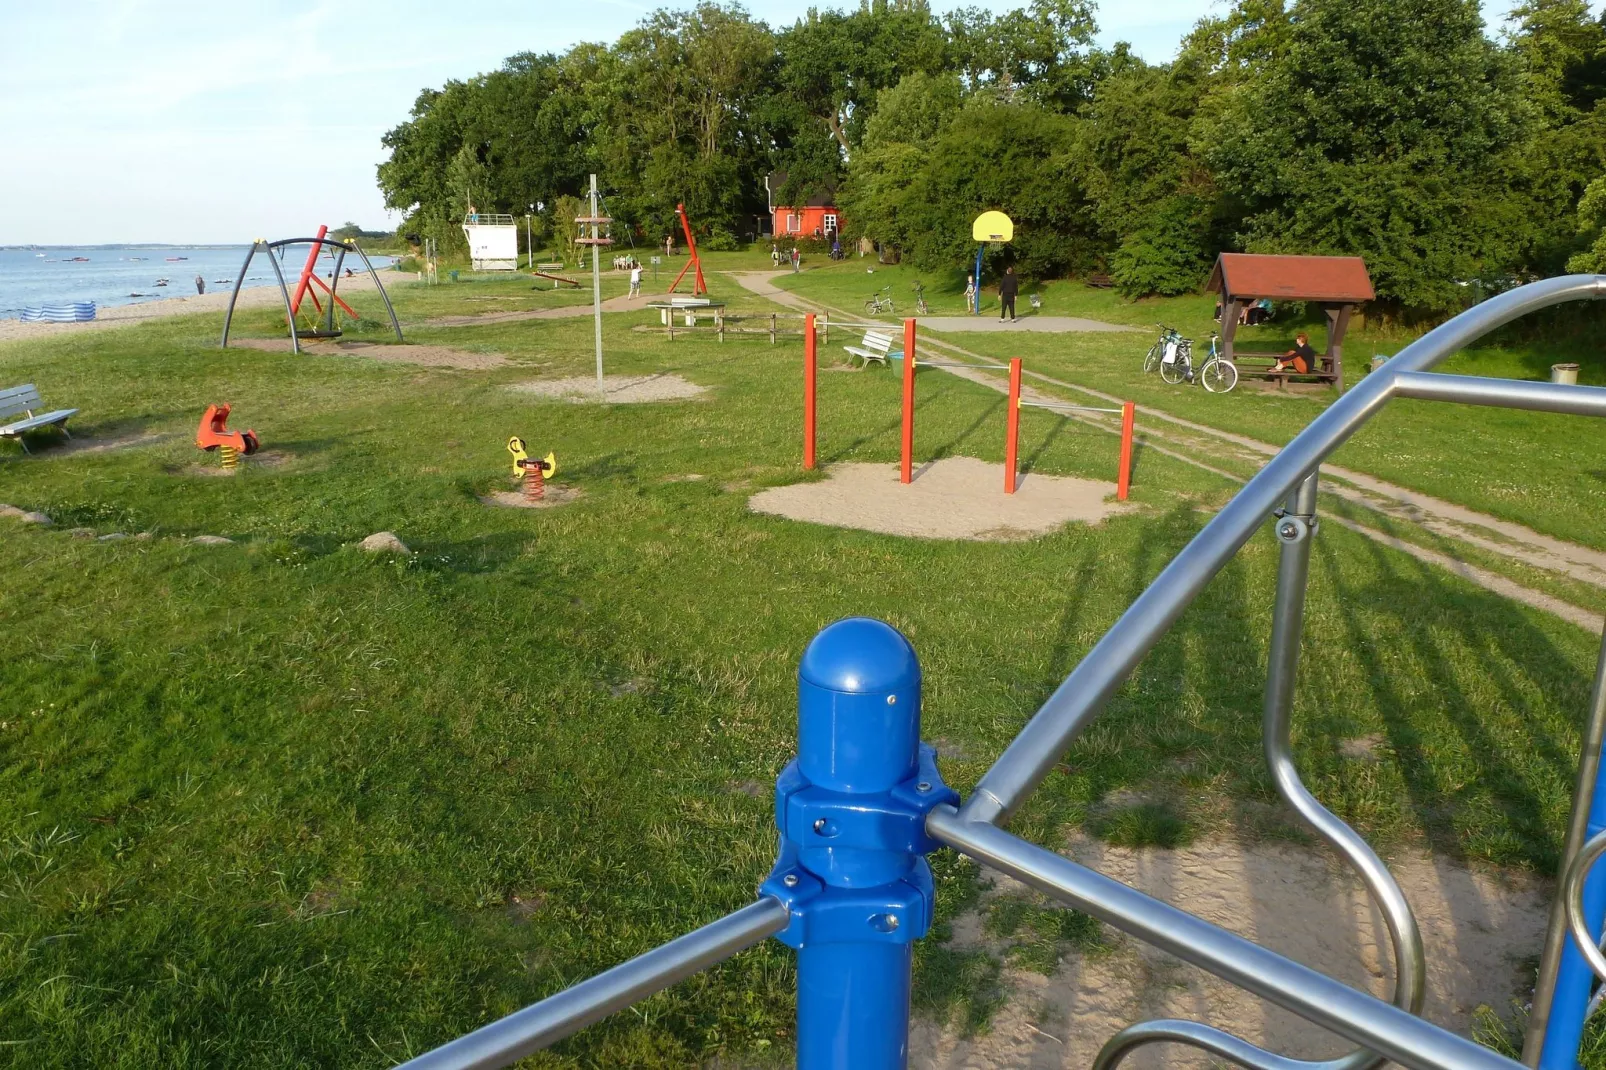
(1082,695)
(1381,1027)
(549,1021)
(1506,393)
(1066,408)
(958,364)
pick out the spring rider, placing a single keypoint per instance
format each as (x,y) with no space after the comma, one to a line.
(214,434)
(534,470)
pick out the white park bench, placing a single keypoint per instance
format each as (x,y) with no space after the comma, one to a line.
(877,346)
(26,400)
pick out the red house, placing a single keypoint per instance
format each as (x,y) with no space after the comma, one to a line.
(816,218)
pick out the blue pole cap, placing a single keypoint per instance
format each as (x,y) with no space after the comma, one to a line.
(859,707)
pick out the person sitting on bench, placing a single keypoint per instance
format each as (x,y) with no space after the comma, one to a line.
(1302,357)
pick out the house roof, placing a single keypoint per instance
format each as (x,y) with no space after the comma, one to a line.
(773,182)
(1292,278)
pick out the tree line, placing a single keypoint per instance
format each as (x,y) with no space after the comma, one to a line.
(1454,161)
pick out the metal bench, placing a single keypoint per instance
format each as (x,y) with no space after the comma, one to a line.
(26,401)
(877,347)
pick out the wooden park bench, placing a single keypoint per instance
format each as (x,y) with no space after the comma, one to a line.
(26,400)
(877,347)
(1100,282)
(1322,373)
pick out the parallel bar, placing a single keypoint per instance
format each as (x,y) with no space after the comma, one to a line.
(1083,694)
(1505,393)
(1577,832)
(1408,1040)
(545,1023)
(1069,408)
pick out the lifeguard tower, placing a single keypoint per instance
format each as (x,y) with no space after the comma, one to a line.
(493,241)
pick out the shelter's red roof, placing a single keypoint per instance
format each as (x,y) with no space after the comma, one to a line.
(1292,278)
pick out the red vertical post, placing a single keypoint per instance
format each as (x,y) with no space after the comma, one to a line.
(1012,427)
(307,270)
(907,474)
(1124,477)
(810,356)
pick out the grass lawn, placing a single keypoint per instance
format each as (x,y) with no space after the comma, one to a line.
(281,804)
(1541,470)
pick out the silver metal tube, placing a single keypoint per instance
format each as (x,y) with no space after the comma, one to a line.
(571,1010)
(1195,1035)
(1533,1040)
(239,281)
(1505,393)
(1076,702)
(1408,1040)
(1572,894)
(1295,531)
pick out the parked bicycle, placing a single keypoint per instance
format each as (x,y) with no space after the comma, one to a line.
(880,302)
(1169,339)
(921,308)
(1217,375)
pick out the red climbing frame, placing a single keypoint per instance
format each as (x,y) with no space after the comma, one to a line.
(699,288)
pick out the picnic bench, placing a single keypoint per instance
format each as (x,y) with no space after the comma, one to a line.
(26,400)
(688,308)
(1336,283)
(877,346)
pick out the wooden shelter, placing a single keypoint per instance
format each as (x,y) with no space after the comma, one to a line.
(1337,283)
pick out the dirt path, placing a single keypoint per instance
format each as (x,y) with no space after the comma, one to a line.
(1442,518)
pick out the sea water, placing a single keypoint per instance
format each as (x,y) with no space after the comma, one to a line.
(129,274)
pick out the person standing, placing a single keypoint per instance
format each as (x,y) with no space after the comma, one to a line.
(775,256)
(200,285)
(1008,290)
(797,259)
(635,281)
(971,304)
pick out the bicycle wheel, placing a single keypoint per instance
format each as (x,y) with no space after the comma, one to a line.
(1152,361)
(872,307)
(1219,376)
(1174,372)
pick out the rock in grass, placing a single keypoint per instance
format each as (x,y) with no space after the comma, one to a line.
(36,518)
(112,537)
(10,510)
(211,540)
(384,542)
(82,533)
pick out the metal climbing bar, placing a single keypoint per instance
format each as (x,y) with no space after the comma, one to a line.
(1053,406)
(542,1024)
(1080,698)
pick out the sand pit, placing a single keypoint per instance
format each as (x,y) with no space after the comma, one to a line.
(393,353)
(621,389)
(57,446)
(1478,927)
(554,496)
(955,498)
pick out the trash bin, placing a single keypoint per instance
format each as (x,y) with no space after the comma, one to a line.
(452,275)
(1564,373)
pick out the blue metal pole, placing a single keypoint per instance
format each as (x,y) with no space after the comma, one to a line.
(851,810)
(1574,980)
(976,308)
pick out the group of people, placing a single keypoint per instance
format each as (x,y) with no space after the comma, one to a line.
(1008,292)
(793,258)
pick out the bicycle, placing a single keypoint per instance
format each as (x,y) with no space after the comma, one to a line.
(1169,336)
(921,308)
(1218,375)
(880,302)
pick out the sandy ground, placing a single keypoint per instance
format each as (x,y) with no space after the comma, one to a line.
(621,389)
(211,301)
(954,498)
(1477,927)
(389,353)
(553,495)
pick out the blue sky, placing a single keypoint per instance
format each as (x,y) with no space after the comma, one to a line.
(221,122)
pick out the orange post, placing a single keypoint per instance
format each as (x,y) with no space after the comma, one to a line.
(1012,427)
(1124,477)
(907,474)
(809,361)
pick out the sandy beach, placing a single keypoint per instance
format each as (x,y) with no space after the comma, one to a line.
(212,301)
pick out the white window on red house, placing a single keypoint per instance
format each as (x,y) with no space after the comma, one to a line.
(830,222)
(794,222)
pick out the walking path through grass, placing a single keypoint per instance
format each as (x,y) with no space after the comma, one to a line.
(1446,519)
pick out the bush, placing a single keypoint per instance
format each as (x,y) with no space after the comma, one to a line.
(1167,254)
(720,240)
